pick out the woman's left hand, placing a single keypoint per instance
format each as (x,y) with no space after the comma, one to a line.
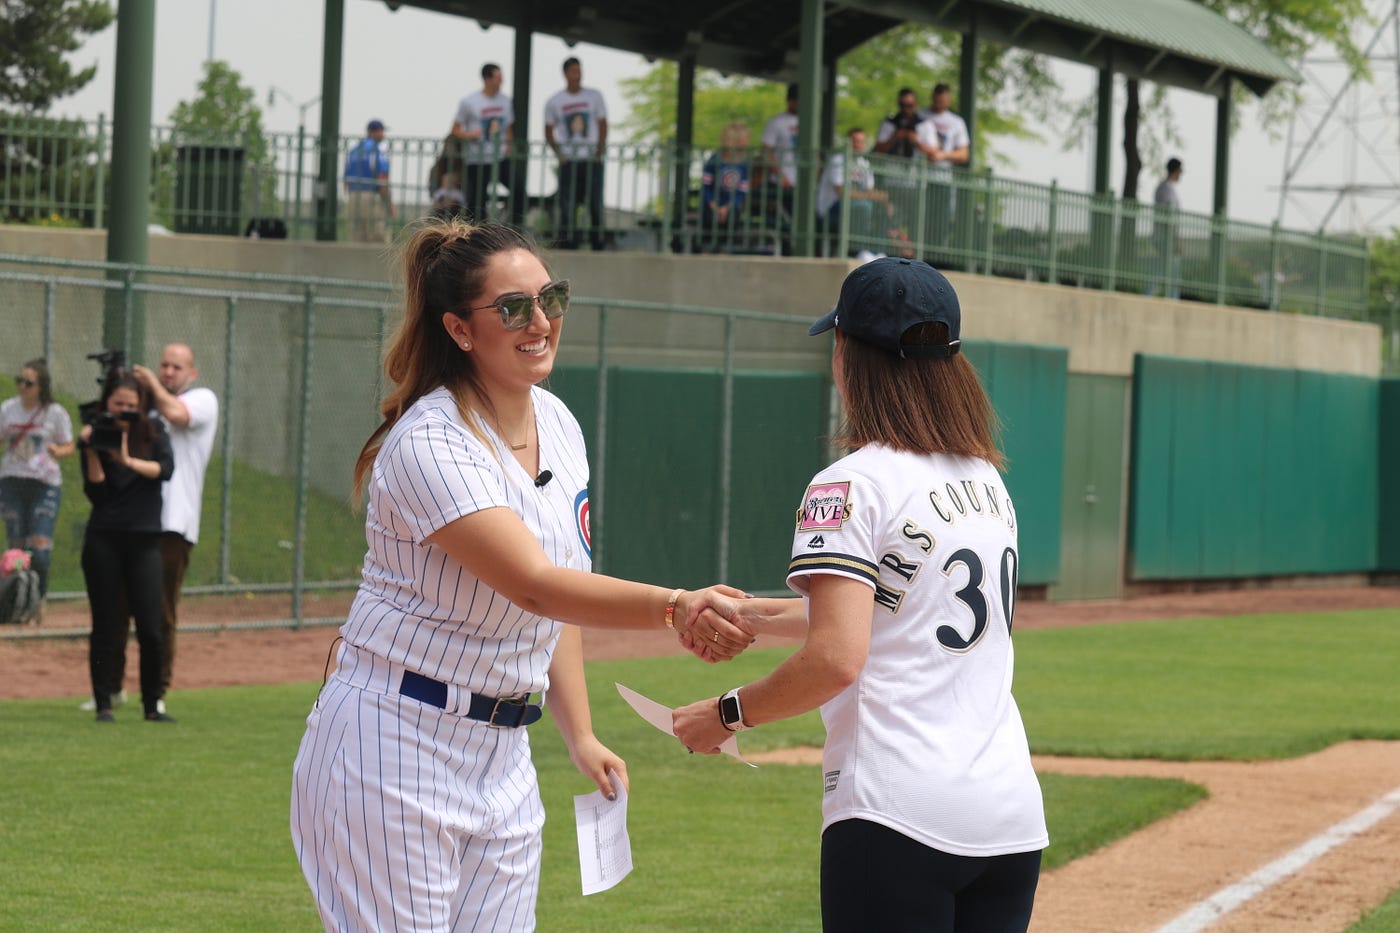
(699,728)
(594,760)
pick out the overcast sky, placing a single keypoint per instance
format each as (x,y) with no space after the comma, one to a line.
(409,68)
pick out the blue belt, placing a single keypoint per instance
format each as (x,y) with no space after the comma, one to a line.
(498,712)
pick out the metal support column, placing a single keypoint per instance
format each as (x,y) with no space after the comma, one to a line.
(520,98)
(964,234)
(1219,245)
(327,192)
(680,160)
(1103,135)
(809,108)
(1100,222)
(131,167)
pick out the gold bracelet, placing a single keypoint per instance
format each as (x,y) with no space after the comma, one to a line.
(671,608)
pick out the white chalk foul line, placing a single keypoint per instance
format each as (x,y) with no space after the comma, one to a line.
(1227,899)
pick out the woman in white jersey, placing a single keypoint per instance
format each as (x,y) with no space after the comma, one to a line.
(414,800)
(905,554)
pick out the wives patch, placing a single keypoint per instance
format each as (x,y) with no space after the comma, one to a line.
(825,507)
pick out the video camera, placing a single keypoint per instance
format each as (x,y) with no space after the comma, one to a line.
(106,428)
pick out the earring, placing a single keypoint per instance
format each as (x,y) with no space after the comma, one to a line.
(466,346)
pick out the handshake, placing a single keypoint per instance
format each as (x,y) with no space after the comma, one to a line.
(716,623)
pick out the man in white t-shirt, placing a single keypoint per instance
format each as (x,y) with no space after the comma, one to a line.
(191,415)
(576,128)
(952,147)
(484,120)
(780,156)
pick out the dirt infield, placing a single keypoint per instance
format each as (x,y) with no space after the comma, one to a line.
(1256,813)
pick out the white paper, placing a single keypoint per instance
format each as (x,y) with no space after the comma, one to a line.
(660,717)
(604,848)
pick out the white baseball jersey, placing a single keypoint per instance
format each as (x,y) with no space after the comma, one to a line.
(406,816)
(928,740)
(182,496)
(493,116)
(574,118)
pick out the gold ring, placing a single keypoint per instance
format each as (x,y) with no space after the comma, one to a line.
(714,636)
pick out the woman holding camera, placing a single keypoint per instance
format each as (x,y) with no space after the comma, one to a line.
(126,456)
(37,432)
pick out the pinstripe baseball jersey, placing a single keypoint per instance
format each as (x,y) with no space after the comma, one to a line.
(928,740)
(419,608)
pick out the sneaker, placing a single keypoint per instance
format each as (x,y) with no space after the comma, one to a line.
(159,716)
(105,715)
(118,699)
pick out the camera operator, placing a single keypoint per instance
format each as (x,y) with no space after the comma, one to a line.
(126,457)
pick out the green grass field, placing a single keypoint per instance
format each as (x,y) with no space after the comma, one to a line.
(262,528)
(178,828)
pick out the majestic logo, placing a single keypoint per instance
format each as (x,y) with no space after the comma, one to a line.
(585,531)
(825,507)
(816,542)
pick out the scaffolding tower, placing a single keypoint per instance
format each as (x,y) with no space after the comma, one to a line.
(1341,170)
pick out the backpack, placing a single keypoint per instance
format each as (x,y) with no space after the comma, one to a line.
(19,589)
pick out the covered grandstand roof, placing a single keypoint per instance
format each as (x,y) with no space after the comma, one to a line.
(1176,42)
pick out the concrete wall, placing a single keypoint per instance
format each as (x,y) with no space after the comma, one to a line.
(1101,329)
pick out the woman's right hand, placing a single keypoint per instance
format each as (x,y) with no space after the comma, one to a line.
(85,434)
(711,625)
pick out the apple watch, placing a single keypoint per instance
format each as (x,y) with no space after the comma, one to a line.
(731,712)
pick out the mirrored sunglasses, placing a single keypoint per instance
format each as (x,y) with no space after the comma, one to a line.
(517,310)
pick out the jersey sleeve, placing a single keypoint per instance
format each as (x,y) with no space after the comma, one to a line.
(836,526)
(436,473)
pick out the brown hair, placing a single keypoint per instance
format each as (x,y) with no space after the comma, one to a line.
(923,406)
(142,433)
(444,266)
(42,377)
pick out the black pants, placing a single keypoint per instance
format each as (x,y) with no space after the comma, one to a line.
(478,184)
(122,571)
(580,182)
(874,878)
(174,561)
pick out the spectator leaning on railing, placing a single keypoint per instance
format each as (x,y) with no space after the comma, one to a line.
(576,128)
(483,120)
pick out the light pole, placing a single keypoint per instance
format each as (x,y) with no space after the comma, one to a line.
(302,107)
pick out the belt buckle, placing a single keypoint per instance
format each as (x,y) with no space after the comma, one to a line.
(517,702)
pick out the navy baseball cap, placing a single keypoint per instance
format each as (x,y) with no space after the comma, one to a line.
(374,125)
(883,298)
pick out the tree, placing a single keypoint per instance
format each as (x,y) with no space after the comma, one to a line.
(1384,299)
(1016,90)
(223,115)
(36,35)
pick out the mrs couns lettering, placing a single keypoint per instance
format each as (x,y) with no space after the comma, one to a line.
(969,499)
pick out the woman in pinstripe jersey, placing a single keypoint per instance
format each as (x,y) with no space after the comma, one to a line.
(414,801)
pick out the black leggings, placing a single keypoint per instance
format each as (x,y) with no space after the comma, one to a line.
(122,571)
(874,878)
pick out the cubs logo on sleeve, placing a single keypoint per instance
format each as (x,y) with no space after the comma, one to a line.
(825,507)
(585,531)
